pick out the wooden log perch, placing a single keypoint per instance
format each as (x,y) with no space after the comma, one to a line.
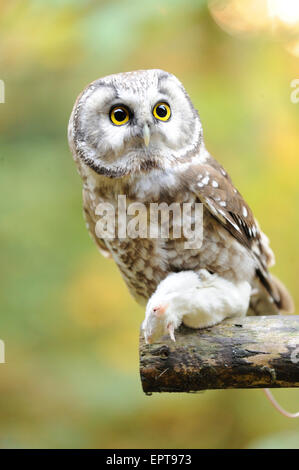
(250,352)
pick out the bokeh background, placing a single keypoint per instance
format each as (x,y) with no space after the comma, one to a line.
(70,327)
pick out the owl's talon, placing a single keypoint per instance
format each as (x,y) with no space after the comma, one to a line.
(170,328)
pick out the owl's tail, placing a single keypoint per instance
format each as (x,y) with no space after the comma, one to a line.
(286,302)
(261,301)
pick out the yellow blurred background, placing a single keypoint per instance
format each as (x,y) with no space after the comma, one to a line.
(70,327)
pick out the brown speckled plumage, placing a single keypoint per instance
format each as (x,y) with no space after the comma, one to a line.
(176,167)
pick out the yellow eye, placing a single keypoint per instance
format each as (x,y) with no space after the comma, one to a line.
(119,115)
(162,111)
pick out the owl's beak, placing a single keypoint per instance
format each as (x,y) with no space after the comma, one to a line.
(146,135)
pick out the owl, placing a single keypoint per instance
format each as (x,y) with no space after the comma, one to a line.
(138,135)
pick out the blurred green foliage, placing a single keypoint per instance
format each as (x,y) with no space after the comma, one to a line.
(70,327)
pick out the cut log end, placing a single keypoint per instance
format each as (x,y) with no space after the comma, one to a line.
(250,352)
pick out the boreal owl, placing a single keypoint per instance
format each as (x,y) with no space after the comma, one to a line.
(138,135)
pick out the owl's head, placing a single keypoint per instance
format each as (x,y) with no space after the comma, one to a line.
(130,122)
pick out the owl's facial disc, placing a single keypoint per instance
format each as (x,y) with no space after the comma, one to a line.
(135,121)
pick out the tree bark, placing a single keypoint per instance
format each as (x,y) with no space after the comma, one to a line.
(250,352)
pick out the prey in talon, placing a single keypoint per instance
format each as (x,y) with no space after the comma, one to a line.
(197,300)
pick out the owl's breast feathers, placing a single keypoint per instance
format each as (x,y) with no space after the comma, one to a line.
(209,183)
